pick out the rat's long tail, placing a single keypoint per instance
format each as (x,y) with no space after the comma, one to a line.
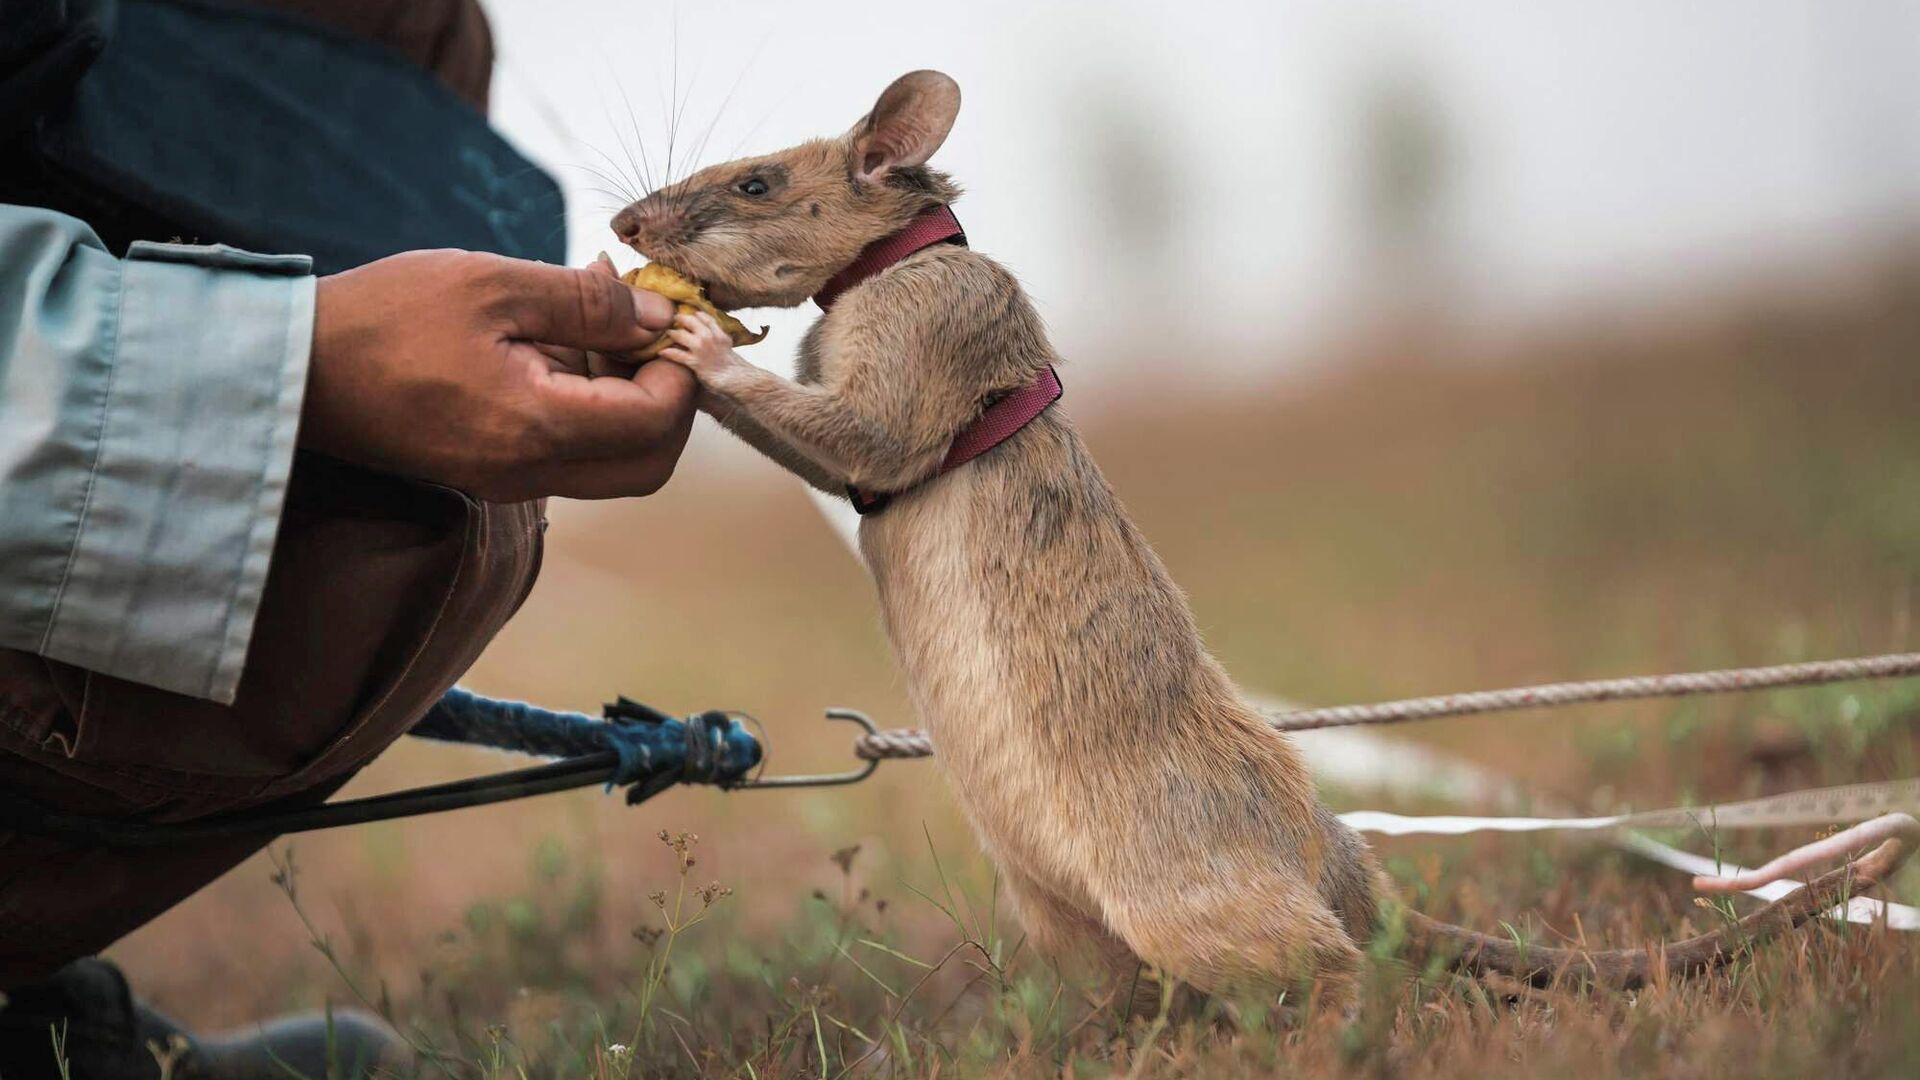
(1471,951)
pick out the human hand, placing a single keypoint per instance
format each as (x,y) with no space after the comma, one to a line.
(471,369)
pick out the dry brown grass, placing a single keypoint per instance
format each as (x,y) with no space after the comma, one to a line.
(1738,486)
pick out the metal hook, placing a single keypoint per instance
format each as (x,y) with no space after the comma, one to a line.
(821,779)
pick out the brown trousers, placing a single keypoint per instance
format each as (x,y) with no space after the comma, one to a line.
(381,593)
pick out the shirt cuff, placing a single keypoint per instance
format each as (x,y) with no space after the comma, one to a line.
(196,441)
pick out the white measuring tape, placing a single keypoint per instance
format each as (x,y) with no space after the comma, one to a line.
(1824,806)
(1361,759)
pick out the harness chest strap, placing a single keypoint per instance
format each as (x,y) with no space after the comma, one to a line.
(1005,415)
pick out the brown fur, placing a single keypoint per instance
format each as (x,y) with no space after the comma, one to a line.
(1131,797)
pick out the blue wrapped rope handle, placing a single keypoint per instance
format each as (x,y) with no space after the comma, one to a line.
(706,748)
(632,745)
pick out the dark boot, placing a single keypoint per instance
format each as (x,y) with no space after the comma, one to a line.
(104,1034)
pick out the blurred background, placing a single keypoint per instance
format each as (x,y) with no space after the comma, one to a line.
(1308,168)
(1436,346)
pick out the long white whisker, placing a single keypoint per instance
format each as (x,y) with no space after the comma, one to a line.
(700,149)
(680,113)
(673,95)
(643,166)
(621,200)
(602,175)
(757,125)
(631,175)
(543,106)
(627,177)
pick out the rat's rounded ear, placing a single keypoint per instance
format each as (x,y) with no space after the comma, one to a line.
(907,124)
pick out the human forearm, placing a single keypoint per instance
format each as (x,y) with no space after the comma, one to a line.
(148,411)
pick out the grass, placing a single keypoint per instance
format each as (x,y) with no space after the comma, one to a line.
(841,991)
(1732,484)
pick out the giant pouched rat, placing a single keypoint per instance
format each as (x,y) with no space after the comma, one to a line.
(1131,797)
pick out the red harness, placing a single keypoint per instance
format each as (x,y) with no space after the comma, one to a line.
(1005,414)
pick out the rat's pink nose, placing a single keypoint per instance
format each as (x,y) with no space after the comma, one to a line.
(626,225)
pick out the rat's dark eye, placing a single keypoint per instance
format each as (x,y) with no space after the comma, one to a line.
(752,185)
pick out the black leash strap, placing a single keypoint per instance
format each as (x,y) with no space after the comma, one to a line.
(634,746)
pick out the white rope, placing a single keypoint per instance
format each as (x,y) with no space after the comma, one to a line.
(893,744)
(1410,770)
(900,743)
(1727,681)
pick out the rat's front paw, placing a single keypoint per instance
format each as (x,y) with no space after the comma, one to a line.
(700,346)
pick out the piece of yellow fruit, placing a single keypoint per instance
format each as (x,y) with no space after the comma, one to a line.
(687,296)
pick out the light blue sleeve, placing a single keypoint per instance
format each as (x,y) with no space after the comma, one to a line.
(148,409)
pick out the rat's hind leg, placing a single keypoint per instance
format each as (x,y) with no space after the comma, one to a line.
(1264,932)
(1054,928)
(1058,931)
